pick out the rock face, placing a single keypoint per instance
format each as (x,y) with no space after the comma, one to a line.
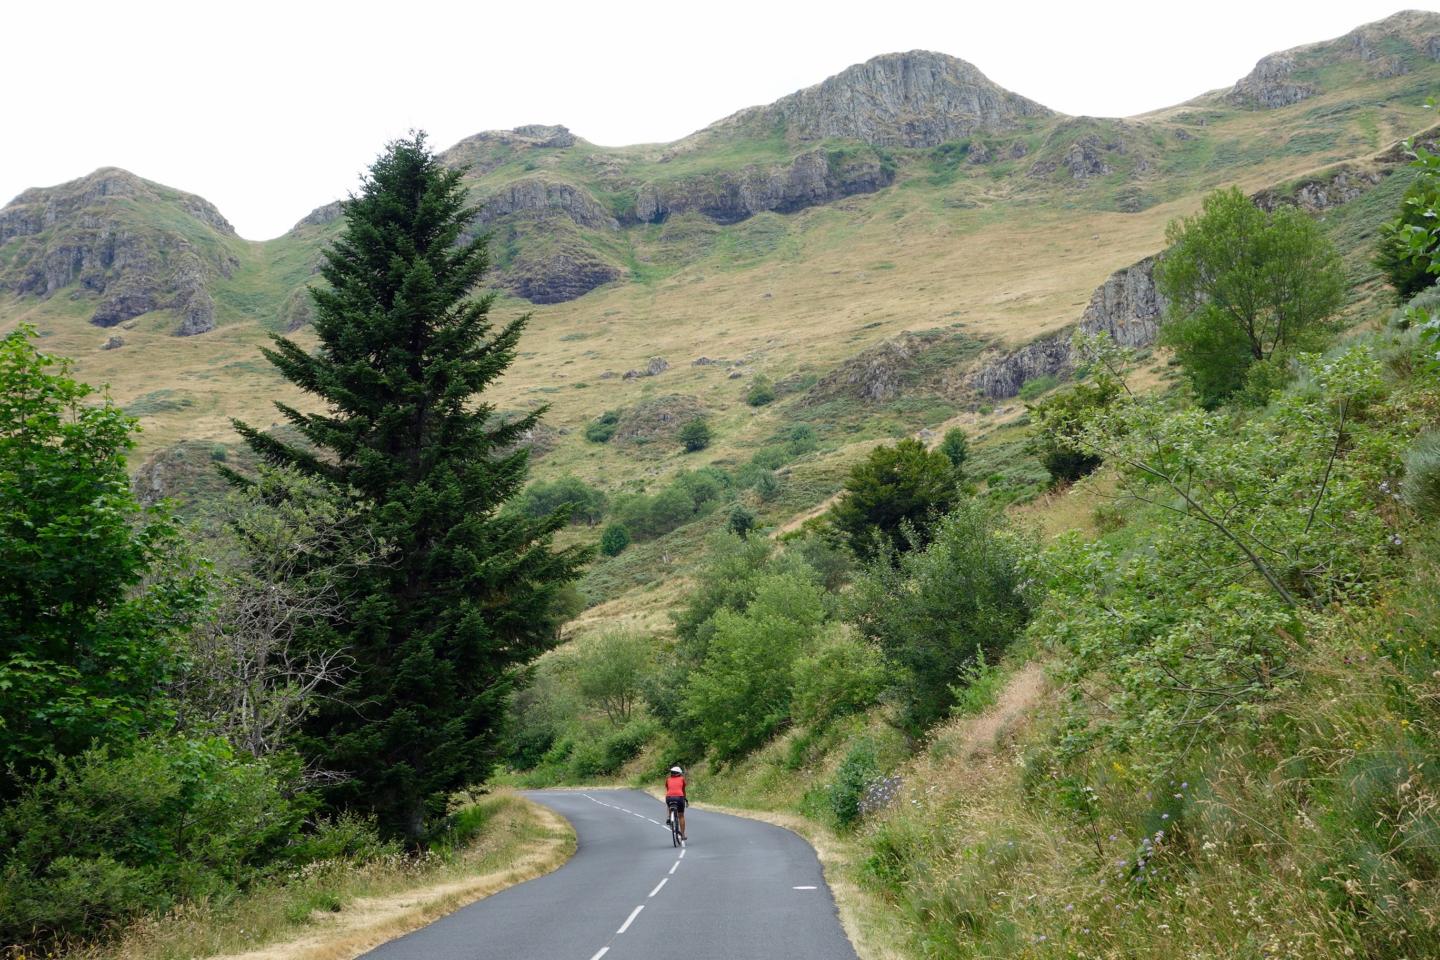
(1387,48)
(915,99)
(1321,193)
(485,151)
(810,179)
(537,195)
(322,215)
(1127,306)
(658,419)
(93,233)
(887,370)
(653,368)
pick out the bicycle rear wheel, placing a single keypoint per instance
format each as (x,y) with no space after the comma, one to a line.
(674,827)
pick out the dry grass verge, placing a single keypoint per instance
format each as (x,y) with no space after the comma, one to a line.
(369,905)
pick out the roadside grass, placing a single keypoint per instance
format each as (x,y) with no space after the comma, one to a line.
(340,909)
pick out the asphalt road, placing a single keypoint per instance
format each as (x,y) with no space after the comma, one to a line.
(740,890)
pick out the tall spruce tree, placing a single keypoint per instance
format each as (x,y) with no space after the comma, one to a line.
(441,632)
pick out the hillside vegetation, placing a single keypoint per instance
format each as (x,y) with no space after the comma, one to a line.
(1045,510)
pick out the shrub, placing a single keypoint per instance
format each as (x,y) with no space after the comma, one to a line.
(740,694)
(941,608)
(1037,386)
(1404,259)
(1421,486)
(110,836)
(742,521)
(843,675)
(760,392)
(956,447)
(602,428)
(857,771)
(614,540)
(695,435)
(891,497)
(580,502)
(1058,421)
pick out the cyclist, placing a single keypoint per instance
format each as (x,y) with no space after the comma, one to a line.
(675,797)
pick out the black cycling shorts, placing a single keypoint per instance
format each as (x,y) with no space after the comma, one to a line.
(675,803)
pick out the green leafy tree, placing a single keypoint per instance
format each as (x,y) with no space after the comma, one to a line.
(94,596)
(1406,246)
(740,695)
(439,634)
(842,675)
(941,608)
(895,488)
(610,672)
(1058,420)
(574,498)
(1244,286)
(956,447)
(742,520)
(614,539)
(695,435)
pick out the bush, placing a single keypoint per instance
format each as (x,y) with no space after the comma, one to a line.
(602,428)
(891,497)
(742,521)
(956,447)
(695,435)
(943,607)
(843,675)
(111,836)
(1037,386)
(614,540)
(1421,486)
(1059,419)
(857,772)
(760,392)
(606,755)
(580,502)
(740,694)
(1404,260)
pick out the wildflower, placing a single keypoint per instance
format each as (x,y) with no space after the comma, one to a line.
(1164,816)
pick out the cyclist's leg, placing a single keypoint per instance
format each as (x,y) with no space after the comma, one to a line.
(682,821)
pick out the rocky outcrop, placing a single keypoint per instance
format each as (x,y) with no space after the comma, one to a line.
(657,419)
(1271,84)
(553,262)
(915,99)
(653,368)
(810,179)
(1316,194)
(95,233)
(321,215)
(536,195)
(489,149)
(1387,48)
(889,369)
(1127,306)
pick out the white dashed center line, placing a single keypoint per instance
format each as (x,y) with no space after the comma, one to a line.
(802,888)
(658,886)
(630,919)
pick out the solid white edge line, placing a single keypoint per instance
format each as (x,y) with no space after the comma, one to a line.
(601,953)
(658,886)
(630,919)
(674,866)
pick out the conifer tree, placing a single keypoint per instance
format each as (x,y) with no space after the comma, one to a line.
(440,633)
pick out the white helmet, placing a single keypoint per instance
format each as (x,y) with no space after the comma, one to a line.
(676,770)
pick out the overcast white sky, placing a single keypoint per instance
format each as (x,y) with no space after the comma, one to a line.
(269,109)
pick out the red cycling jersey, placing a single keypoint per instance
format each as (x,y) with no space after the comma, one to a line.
(674,786)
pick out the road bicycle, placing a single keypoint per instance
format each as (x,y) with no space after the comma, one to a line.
(674,821)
